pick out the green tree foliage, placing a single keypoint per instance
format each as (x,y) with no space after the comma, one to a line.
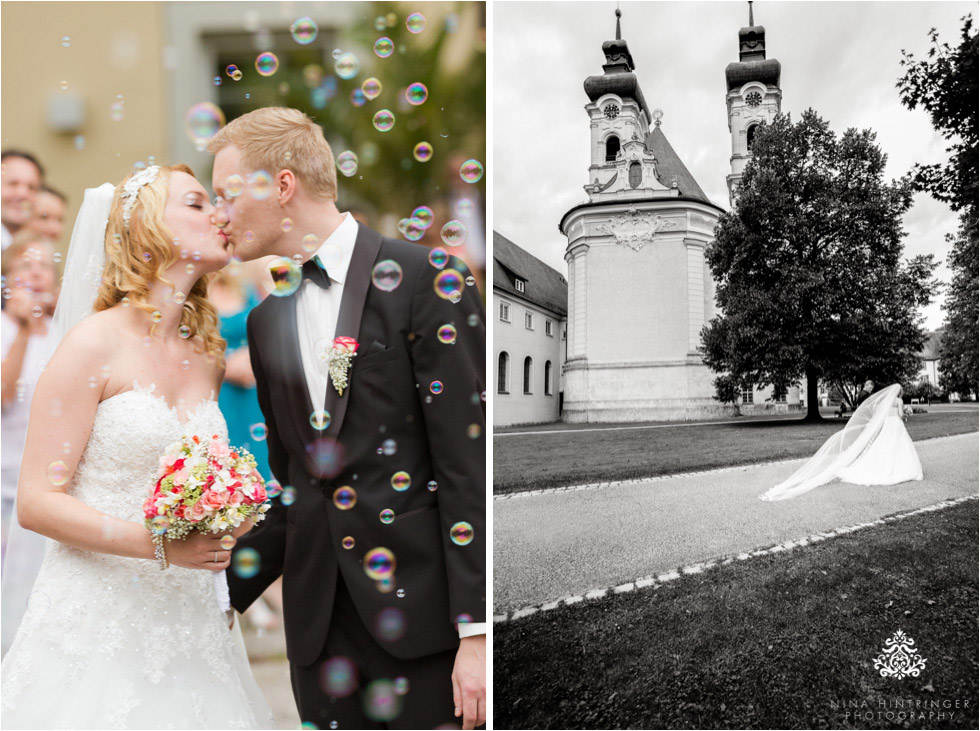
(945,85)
(809,270)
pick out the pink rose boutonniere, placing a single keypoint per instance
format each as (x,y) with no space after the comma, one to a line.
(339,357)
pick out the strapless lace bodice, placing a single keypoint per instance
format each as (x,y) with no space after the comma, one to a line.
(121,643)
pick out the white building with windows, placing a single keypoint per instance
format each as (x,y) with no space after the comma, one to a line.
(529,311)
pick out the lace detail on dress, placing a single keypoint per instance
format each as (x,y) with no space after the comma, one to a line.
(119,642)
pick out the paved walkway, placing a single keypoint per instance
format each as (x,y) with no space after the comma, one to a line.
(565,542)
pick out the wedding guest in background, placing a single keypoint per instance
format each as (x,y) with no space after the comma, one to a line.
(27,343)
(49,214)
(20,180)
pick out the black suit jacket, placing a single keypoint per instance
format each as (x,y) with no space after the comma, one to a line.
(436,438)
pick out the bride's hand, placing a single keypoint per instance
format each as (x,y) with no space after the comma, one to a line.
(198,551)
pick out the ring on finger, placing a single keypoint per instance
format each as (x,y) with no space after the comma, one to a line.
(216,557)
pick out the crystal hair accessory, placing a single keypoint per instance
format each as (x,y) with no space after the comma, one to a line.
(132,188)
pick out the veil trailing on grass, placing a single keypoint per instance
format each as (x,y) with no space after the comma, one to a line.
(841,449)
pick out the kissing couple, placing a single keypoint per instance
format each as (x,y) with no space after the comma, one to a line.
(382,542)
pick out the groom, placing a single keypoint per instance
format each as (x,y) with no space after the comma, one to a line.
(380,531)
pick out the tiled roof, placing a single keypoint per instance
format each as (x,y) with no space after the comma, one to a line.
(544,286)
(669,166)
(932,346)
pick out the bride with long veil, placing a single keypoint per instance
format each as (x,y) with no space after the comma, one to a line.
(109,639)
(873,448)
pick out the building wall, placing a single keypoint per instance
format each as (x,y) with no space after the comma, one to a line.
(514,406)
(116,48)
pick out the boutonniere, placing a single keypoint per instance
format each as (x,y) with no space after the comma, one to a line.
(339,356)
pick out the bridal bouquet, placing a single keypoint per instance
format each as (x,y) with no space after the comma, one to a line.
(206,485)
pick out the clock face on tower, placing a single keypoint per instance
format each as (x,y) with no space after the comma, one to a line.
(753,99)
(611,111)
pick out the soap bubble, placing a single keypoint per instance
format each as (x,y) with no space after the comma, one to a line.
(448,283)
(234,186)
(66,41)
(438,257)
(422,152)
(416,94)
(379,563)
(423,214)
(260,185)
(471,171)
(415,23)
(401,481)
(227,542)
(387,516)
(202,122)
(267,64)
(246,563)
(461,533)
(320,419)
(347,163)
(347,66)
(273,489)
(414,229)
(347,542)
(338,677)
(258,432)
(357,98)
(304,31)
(384,120)
(286,224)
(436,387)
(288,496)
(116,111)
(447,334)
(286,276)
(383,47)
(371,88)
(159,525)
(184,331)
(386,275)
(345,497)
(390,624)
(381,703)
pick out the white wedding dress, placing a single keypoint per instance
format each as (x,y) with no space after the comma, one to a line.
(890,458)
(113,642)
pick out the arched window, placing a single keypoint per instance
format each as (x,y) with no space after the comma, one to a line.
(527,375)
(547,378)
(636,174)
(612,148)
(750,136)
(502,363)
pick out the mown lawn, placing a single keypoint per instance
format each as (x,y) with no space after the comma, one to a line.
(535,460)
(772,642)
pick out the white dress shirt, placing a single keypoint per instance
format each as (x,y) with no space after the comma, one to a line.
(317,310)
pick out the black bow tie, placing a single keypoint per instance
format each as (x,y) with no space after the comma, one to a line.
(314,271)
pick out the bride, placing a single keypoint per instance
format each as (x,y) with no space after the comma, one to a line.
(109,639)
(873,449)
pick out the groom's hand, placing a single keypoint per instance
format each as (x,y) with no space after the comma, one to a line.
(470,681)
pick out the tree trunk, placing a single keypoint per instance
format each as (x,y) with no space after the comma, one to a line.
(812,395)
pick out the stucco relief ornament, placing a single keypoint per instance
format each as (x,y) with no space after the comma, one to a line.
(899,658)
(634,229)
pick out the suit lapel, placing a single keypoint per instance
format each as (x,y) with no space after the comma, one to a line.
(356,284)
(297,392)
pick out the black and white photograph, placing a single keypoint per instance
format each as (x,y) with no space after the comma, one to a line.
(244,364)
(734,320)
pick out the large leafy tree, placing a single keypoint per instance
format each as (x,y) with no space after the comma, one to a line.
(811,280)
(945,85)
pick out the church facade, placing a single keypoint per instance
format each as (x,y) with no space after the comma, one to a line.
(639,289)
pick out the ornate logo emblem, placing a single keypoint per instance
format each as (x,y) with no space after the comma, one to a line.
(899,658)
(635,229)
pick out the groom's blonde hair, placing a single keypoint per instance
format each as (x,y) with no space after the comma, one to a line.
(279,138)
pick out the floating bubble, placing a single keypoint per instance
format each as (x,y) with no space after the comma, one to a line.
(202,122)
(288,496)
(216,81)
(414,229)
(400,593)
(463,618)
(385,586)
(464,207)
(185,364)
(387,516)
(267,64)
(386,275)
(325,458)
(179,297)
(286,276)
(379,23)
(357,98)
(338,677)
(401,685)
(473,431)
(383,47)
(448,283)
(401,481)
(304,31)
(248,236)
(159,524)
(391,19)
(390,624)
(347,542)
(438,258)
(260,185)
(381,704)
(447,334)
(63,85)
(347,65)
(116,111)
(258,432)
(389,447)
(65,41)
(461,533)
(384,120)
(286,224)
(415,23)
(37,311)
(273,489)
(470,281)
(227,542)
(454,233)
(436,387)
(371,88)
(379,563)
(347,163)
(245,562)
(345,497)
(231,69)
(416,93)
(184,331)
(320,419)
(422,152)
(432,485)
(423,214)
(310,242)
(237,76)
(156,316)
(234,186)
(471,171)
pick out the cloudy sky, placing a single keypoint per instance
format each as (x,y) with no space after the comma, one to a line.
(841,58)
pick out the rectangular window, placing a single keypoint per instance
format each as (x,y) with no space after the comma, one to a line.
(519,285)
(548,329)
(528,321)
(780,399)
(504,312)
(747,395)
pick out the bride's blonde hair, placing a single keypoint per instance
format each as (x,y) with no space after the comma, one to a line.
(140,255)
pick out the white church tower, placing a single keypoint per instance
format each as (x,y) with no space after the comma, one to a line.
(639,290)
(753,96)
